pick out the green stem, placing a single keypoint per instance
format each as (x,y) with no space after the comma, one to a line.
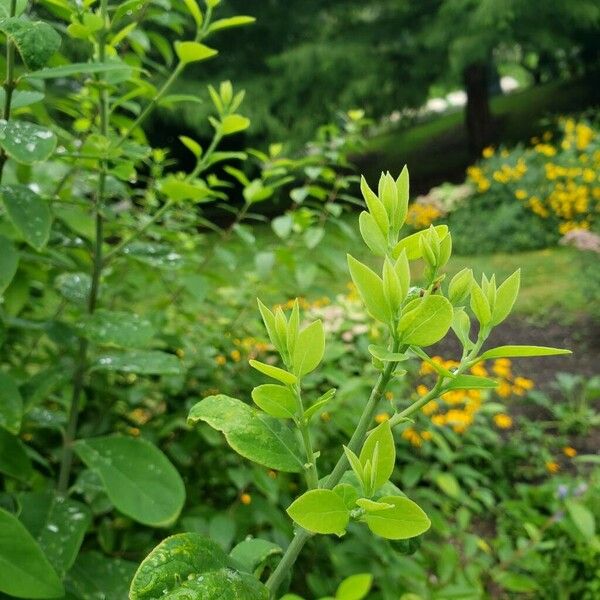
(312,473)
(357,439)
(9,83)
(97,264)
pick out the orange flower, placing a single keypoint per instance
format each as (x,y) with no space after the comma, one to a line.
(422,390)
(382,417)
(552,466)
(569,451)
(246,499)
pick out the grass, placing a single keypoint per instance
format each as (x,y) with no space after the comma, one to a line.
(437,149)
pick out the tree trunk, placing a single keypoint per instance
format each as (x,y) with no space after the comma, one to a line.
(478,118)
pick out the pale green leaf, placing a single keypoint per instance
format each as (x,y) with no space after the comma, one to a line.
(505,298)
(382,438)
(276,400)
(370,288)
(25,142)
(309,348)
(355,587)
(412,243)
(234,124)
(251,433)
(521,351)
(405,520)
(471,382)
(238,21)
(142,362)
(426,321)
(138,478)
(274,372)
(582,517)
(320,511)
(189,52)
(372,234)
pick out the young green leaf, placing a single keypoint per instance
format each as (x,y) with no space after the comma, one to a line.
(251,433)
(195,11)
(309,349)
(521,351)
(347,493)
(320,511)
(402,187)
(237,21)
(372,505)
(411,243)
(506,295)
(234,124)
(356,464)
(274,372)
(460,287)
(276,400)
(405,520)
(471,382)
(189,52)
(355,587)
(372,234)
(426,321)
(383,461)
(480,305)
(375,207)
(392,287)
(370,288)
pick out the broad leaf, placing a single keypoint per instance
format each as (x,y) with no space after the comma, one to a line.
(274,372)
(521,351)
(9,261)
(13,458)
(25,142)
(138,478)
(252,553)
(355,587)
(188,565)
(404,521)
(251,433)
(75,287)
(36,41)
(320,511)
(582,517)
(29,213)
(426,321)
(412,243)
(506,295)
(234,124)
(143,362)
(276,400)
(112,328)
(24,570)
(96,576)
(22,98)
(11,404)
(309,349)
(57,524)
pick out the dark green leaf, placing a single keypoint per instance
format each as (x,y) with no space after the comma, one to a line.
(36,41)
(143,362)
(26,142)
(11,404)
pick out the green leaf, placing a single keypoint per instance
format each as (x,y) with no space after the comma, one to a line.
(480,305)
(179,190)
(355,587)
(425,321)
(138,478)
(448,484)
(372,234)
(96,576)
(309,349)
(5,7)
(383,354)
(505,298)
(191,566)
(189,52)
(274,372)
(402,187)
(77,69)
(252,553)
(371,505)
(238,21)
(57,524)
(404,521)
(75,287)
(521,351)
(21,98)
(276,400)
(320,511)
(582,517)
(471,382)
(195,11)
(143,362)
(117,328)
(347,493)
(24,570)
(36,41)
(25,142)
(234,124)
(11,404)
(29,213)
(515,582)
(13,458)
(384,459)
(370,288)
(251,433)
(9,261)
(412,243)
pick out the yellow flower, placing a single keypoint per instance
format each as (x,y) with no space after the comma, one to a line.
(488,152)
(520,194)
(422,390)
(479,370)
(382,417)
(503,421)
(552,466)
(504,390)
(524,382)
(235,354)
(220,360)
(430,407)
(413,437)
(569,451)
(426,435)
(246,499)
